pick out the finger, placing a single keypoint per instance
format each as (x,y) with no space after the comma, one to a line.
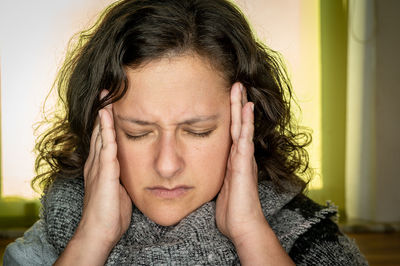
(93,140)
(236,112)
(103,94)
(243,164)
(108,107)
(255,168)
(108,155)
(109,110)
(244,95)
(229,161)
(107,127)
(246,145)
(89,160)
(98,144)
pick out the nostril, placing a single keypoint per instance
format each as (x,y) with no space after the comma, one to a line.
(168,168)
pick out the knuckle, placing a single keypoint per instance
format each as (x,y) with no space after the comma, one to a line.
(245,146)
(107,155)
(242,151)
(103,158)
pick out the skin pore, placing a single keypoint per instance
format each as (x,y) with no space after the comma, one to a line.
(173,136)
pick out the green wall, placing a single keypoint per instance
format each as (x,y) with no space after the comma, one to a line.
(333,19)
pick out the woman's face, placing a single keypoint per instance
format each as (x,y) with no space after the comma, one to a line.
(173,135)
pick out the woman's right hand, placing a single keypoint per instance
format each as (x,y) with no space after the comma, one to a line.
(107,206)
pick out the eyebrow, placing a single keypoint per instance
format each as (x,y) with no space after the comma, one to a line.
(190,121)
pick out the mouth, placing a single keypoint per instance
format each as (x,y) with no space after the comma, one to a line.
(169,193)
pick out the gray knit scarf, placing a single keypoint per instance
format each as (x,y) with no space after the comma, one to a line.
(196,240)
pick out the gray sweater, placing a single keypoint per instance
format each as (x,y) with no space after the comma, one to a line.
(304,228)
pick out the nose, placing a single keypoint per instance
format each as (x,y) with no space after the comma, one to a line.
(168,162)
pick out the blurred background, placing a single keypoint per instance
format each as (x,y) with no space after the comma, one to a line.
(343,61)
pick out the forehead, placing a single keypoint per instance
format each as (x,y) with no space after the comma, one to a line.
(180,85)
(176,70)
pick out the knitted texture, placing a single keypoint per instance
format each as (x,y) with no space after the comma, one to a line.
(300,225)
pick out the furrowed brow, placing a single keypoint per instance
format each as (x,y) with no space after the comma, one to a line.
(199,119)
(135,121)
(190,121)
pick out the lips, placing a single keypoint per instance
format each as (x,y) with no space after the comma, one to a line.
(169,193)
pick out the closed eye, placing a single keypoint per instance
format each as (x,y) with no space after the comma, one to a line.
(136,137)
(192,133)
(200,134)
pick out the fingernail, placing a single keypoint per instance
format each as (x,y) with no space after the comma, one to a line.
(100,114)
(252,107)
(241,86)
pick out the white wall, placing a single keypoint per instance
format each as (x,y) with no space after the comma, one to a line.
(293,29)
(33,40)
(34,36)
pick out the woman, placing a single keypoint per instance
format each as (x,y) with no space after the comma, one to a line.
(176,147)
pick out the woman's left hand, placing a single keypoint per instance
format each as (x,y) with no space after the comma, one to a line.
(239,214)
(238,208)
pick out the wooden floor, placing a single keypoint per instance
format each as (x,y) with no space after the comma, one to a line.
(3,244)
(378,248)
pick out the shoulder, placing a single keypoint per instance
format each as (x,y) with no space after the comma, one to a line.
(31,249)
(322,243)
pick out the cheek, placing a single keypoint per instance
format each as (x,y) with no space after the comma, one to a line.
(211,160)
(204,160)
(131,160)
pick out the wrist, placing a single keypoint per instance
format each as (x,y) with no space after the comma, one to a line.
(96,238)
(260,246)
(257,230)
(85,248)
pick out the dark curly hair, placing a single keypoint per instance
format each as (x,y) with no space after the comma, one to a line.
(132,32)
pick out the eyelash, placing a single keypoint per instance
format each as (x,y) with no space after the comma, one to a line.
(200,135)
(135,137)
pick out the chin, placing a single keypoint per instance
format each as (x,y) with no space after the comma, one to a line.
(165,215)
(167,220)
